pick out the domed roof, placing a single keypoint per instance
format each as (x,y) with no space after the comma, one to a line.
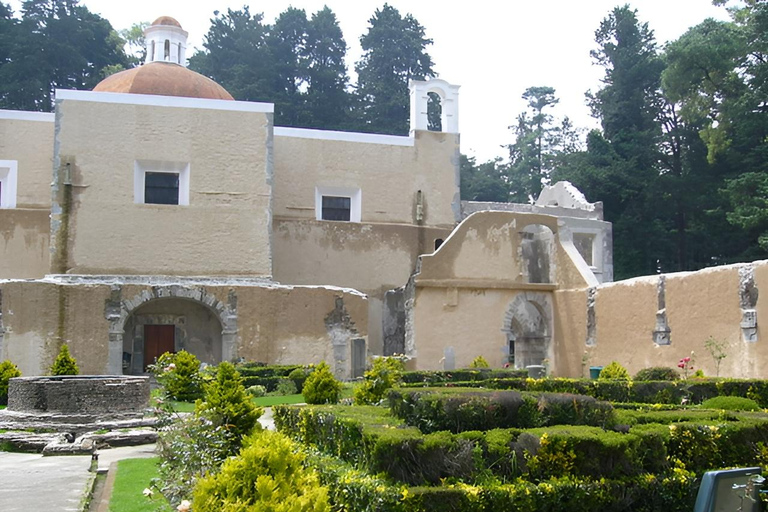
(166,20)
(164,79)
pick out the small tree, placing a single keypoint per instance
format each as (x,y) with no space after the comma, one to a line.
(479,362)
(385,374)
(716,349)
(64,364)
(614,371)
(179,374)
(8,371)
(321,387)
(229,406)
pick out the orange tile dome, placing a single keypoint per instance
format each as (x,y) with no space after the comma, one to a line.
(166,20)
(164,79)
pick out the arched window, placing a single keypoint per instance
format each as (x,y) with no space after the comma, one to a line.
(167,54)
(434,113)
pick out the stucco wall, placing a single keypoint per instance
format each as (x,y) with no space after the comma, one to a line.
(274,324)
(24,235)
(27,137)
(223,231)
(697,305)
(389,177)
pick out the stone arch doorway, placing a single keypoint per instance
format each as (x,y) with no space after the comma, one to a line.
(170,325)
(194,319)
(527,325)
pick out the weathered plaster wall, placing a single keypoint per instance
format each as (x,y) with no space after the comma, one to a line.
(30,143)
(690,307)
(389,177)
(274,324)
(466,322)
(97,228)
(24,235)
(372,258)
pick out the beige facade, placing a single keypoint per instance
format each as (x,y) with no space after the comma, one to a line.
(104,229)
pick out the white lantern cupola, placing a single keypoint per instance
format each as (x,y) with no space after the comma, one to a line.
(166,41)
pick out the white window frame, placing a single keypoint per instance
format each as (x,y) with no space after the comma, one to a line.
(142,167)
(355,196)
(597,245)
(9,180)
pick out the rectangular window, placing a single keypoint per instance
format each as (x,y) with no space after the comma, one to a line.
(584,243)
(338,203)
(336,208)
(156,182)
(161,188)
(8,178)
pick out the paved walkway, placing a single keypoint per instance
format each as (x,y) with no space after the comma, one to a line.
(33,483)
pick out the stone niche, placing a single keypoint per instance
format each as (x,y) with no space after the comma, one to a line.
(79,394)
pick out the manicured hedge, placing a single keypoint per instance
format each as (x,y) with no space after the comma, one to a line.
(692,391)
(459,410)
(430,378)
(259,374)
(353,489)
(379,443)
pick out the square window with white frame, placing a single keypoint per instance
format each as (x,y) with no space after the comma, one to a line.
(8,183)
(338,204)
(161,183)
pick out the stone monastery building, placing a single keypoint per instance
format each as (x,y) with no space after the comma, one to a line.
(155,213)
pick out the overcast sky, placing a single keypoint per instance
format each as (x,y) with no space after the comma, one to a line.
(494,49)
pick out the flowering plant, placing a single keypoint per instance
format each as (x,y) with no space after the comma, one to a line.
(686,365)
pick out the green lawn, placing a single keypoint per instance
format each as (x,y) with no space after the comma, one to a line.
(133,476)
(269,401)
(183,406)
(2,407)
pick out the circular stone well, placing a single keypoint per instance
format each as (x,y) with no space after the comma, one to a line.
(107,395)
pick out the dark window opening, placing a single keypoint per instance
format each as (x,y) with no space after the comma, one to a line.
(161,188)
(438,243)
(152,51)
(336,208)
(167,53)
(434,113)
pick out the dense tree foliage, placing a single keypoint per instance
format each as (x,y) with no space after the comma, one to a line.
(55,44)
(394,52)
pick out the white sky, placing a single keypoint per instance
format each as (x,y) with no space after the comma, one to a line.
(494,49)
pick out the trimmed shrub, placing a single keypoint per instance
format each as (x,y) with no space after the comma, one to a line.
(614,371)
(261,374)
(228,406)
(285,387)
(461,376)
(321,387)
(179,374)
(385,373)
(8,371)
(730,403)
(257,391)
(64,364)
(657,373)
(298,376)
(459,410)
(268,474)
(479,362)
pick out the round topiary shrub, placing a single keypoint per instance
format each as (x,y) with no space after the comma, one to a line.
(269,474)
(614,371)
(257,391)
(731,403)
(8,371)
(285,387)
(321,387)
(298,376)
(657,373)
(64,364)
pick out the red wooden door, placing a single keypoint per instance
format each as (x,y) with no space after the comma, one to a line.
(158,339)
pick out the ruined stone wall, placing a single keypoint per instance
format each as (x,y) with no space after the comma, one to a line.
(85,394)
(259,320)
(388,175)
(97,227)
(658,320)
